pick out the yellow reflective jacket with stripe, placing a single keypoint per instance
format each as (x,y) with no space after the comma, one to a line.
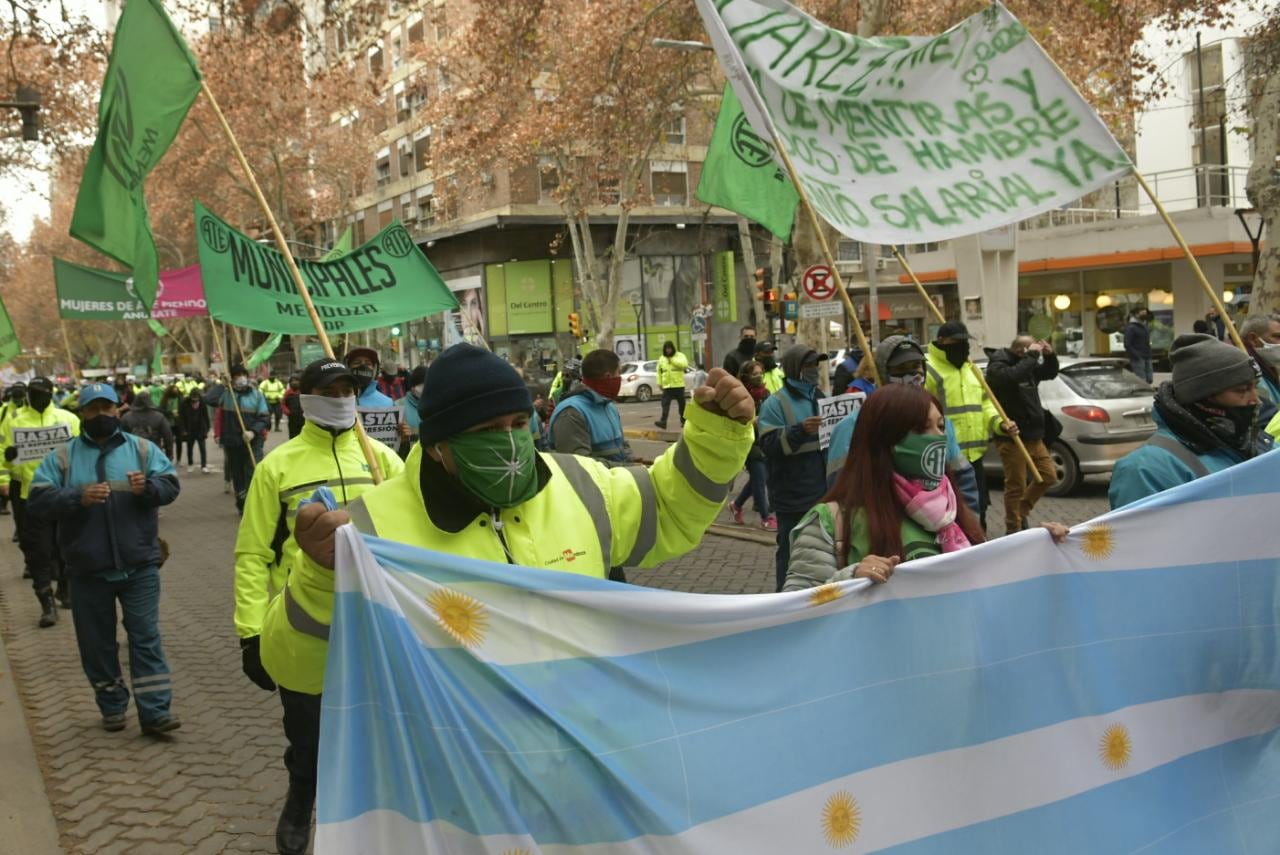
(963,401)
(281,482)
(586,519)
(29,417)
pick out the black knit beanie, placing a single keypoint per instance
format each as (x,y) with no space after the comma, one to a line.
(468,385)
(1204,366)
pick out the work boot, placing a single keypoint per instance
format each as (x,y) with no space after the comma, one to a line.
(63,595)
(293,831)
(48,608)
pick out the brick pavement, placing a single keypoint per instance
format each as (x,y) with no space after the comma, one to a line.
(215,786)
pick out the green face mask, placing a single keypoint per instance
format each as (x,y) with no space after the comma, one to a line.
(497,466)
(922,457)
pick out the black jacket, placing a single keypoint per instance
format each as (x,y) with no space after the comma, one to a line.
(146,421)
(735,359)
(1137,339)
(1014,380)
(193,419)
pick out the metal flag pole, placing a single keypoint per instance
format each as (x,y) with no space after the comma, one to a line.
(372,459)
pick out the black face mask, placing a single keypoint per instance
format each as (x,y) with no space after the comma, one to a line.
(39,400)
(747,345)
(365,375)
(100,427)
(957,352)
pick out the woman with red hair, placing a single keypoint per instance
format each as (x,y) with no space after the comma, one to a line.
(893,500)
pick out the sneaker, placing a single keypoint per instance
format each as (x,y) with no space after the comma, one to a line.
(204,469)
(736,510)
(769,523)
(114,722)
(190,468)
(161,725)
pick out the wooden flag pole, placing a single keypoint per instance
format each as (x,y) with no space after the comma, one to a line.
(235,404)
(986,388)
(71,361)
(1191,259)
(375,470)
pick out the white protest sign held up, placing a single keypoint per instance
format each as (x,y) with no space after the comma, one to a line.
(832,410)
(382,424)
(34,443)
(904,140)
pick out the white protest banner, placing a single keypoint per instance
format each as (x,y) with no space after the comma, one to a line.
(832,410)
(35,442)
(908,139)
(382,424)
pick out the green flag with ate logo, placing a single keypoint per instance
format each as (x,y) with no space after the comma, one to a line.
(150,83)
(741,175)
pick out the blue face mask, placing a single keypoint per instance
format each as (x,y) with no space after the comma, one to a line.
(809,374)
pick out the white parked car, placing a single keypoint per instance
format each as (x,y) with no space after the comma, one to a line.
(640,380)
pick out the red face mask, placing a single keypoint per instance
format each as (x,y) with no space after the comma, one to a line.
(606,386)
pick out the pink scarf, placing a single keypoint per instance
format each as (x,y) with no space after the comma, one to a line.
(934,510)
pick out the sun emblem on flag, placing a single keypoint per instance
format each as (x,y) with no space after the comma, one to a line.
(1098,542)
(1116,747)
(461,616)
(841,820)
(825,594)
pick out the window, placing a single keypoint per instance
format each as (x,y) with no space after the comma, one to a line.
(385,214)
(675,132)
(402,101)
(416,29)
(548,179)
(397,51)
(404,154)
(406,205)
(1209,123)
(359,235)
(417,99)
(375,61)
(932,246)
(849,250)
(669,181)
(382,167)
(427,205)
(607,185)
(422,150)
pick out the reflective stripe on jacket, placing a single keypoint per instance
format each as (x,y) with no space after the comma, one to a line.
(265,547)
(964,401)
(586,519)
(27,417)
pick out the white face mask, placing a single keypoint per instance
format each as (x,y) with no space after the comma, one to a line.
(1270,353)
(326,412)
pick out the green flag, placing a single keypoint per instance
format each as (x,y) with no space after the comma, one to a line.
(157,327)
(342,247)
(150,83)
(264,351)
(382,283)
(157,360)
(741,175)
(9,347)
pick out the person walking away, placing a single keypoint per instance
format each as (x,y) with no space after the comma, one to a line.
(736,360)
(104,490)
(1261,336)
(363,364)
(193,417)
(273,390)
(1137,343)
(292,406)
(22,456)
(773,376)
(901,363)
(892,502)
(671,366)
(797,464)
(1014,374)
(949,377)
(241,443)
(1206,421)
(587,421)
(541,510)
(757,486)
(409,418)
(146,421)
(327,452)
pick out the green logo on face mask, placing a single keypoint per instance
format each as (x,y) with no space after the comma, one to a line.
(922,457)
(496,466)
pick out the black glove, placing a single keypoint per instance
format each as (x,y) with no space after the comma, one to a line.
(11,453)
(251,663)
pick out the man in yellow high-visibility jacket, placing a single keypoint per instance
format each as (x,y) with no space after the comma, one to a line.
(326,452)
(273,390)
(671,366)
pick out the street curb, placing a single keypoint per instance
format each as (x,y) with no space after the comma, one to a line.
(26,815)
(652,435)
(737,532)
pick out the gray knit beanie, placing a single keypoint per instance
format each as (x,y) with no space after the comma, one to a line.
(1204,366)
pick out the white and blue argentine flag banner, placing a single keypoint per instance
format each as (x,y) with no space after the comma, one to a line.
(1118,693)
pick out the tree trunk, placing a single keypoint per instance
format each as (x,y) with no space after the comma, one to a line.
(1263,189)
(749,261)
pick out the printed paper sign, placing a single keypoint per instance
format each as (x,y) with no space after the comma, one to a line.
(901,140)
(835,408)
(382,424)
(36,442)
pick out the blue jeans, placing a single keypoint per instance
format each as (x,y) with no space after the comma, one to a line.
(93,610)
(1141,365)
(756,487)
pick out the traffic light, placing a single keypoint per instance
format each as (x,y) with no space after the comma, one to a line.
(764,282)
(575,325)
(770,300)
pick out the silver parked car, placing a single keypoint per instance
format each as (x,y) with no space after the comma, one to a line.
(1105,412)
(640,380)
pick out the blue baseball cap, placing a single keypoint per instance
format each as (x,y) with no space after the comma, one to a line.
(96,392)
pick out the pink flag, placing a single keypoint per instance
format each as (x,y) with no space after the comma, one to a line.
(181,294)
